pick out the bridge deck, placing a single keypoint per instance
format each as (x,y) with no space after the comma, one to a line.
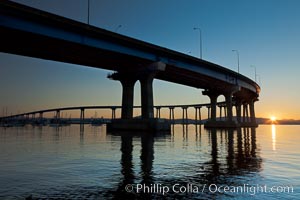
(31,32)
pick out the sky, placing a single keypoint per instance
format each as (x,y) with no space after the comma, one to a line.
(265,33)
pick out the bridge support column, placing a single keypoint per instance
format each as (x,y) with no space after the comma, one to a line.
(147,95)
(184,115)
(171,116)
(40,120)
(228,98)
(57,117)
(148,122)
(127,82)
(213,95)
(252,112)
(81,116)
(220,117)
(158,112)
(238,106)
(127,97)
(212,121)
(113,113)
(41,116)
(245,112)
(208,112)
(198,112)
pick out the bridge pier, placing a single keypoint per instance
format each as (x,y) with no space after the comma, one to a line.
(212,121)
(41,116)
(220,117)
(147,121)
(81,115)
(245,112)
(113,113)
(221,108)
(248,105)
(252,111)
(212,115)
(208,112)
(40,120)
(238,106)
(158,112)
(57,117)
(127,95)
(230,123)
(147,95)
(197,112)
(184,115)
(228,98)
(172,116)
(213,95)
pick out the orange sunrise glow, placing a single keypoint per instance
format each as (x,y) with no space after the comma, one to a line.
(273,119)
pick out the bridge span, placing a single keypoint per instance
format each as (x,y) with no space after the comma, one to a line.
(37,117)
(35,33)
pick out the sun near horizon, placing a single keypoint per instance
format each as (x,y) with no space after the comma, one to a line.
(273,119)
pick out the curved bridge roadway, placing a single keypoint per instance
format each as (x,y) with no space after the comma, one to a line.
(35,33)
(197,108)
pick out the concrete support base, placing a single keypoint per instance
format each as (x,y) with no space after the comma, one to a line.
(221,124)
(151,125)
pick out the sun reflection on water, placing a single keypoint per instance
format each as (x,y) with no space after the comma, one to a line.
(274,137)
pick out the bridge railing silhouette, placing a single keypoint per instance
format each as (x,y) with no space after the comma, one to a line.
(37,117)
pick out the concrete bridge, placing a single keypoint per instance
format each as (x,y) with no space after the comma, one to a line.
(35,33)
(195,115)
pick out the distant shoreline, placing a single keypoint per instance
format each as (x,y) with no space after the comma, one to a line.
(278,122)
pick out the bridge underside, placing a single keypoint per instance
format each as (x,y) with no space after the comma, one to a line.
(30,32)
(39,46)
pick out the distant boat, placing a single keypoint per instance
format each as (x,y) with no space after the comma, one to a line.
(97,122)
